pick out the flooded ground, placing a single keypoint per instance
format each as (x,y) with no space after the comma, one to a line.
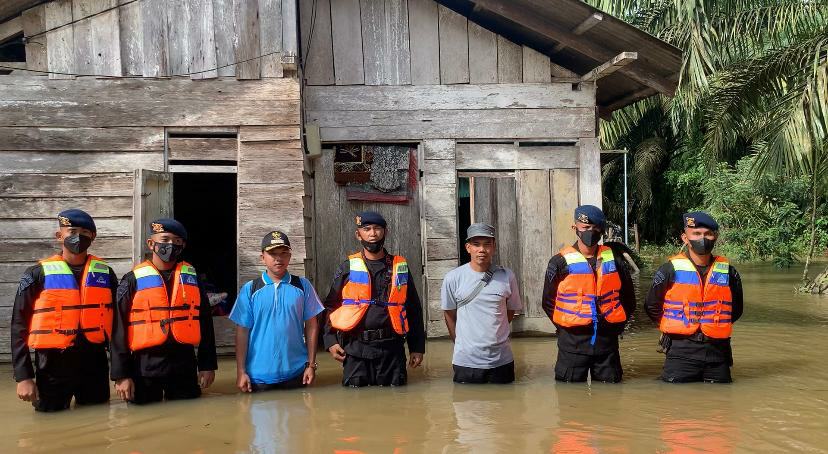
(778,403)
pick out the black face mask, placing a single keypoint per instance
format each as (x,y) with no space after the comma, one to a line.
(168,252)
(77,243)
(702,246)
(589,237)
(373,247)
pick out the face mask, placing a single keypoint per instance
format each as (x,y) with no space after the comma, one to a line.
(702,246)
(167,252)
(77,243)
(373,247)
(589,237)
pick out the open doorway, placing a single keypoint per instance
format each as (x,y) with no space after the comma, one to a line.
(206,204)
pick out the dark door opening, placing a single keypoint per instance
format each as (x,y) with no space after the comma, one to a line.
(206,204)
(463,216)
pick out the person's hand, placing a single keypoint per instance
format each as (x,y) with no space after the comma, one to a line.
(243,383)
(337,352)
(415,360)
(308,376)
(125,388)
(27,390)
(205,378)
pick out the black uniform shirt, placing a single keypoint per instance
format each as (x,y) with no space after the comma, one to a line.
(31,284)
(169,358)
(712,350)
(577,339)
(376,317)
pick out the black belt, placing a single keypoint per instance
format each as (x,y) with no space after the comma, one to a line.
(376,334)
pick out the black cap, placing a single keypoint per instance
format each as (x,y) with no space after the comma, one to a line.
(480,230)
(590,214)
(76,218)
(369,217)
(169,226)
(275,239)
(699,219)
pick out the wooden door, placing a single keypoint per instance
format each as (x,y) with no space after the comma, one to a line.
(153,199)
(494,202)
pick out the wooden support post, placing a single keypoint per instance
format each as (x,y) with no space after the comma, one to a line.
(609,67)
(591,21)
(11,28)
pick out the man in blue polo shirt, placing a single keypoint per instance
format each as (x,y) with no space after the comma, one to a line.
(275,315)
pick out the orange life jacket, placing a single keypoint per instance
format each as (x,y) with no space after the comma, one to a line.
(689,306)
(584,295)
(152,316)
(356,296)
(62,310)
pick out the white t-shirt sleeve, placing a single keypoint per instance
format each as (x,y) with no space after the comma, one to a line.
(448,302)
(514,302)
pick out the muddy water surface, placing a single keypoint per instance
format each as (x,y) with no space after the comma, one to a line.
(778,403)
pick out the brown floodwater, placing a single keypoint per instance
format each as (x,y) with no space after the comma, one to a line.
(778,402)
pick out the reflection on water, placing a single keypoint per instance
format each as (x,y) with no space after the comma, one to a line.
(779,402)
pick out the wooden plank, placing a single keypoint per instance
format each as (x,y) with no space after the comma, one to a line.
(563,184)
(79,161)
(610,66)
(46,228)
(199,149)
(591,21)
(509,62)
(82,33)
(224,26)
(49,207)
(485,208)
(82,139)
(33,250)
(432,300)
(60,53)
(506,225)
(439,175)
(559,72)
(440,200)
(106,41)
(482,156)
(290,30)
(387,58)
(424,40)
(439,149)
(461,124)
(536,67)
(257,172)
(34,22)
(346,31)
(454,47)
(441,227)
(202,40)
(178,36)
(317,48)
(326,234)
(534,226)
(246,40)
(270,36)
(589,173)
(262,153)
(441,249)
(154,34)
(268,133)
(132,38)
(10,28)
(8,291)
(439,97)
(437,269)
(153,195)
(482,55)
(398,55)
(47,185)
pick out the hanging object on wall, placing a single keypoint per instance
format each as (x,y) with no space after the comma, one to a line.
(376,173)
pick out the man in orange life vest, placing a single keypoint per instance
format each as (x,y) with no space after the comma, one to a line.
(589,295)
(373,308)
(63,310)
(695,298)
(162,314)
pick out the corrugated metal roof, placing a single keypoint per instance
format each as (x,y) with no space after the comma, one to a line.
(551,27)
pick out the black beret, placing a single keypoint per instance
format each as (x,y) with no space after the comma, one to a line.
(76,218)
(699,219)
(370,217)
(275,239)
(590,214)
(168,225)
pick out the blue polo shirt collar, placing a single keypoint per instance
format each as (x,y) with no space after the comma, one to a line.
(268,281)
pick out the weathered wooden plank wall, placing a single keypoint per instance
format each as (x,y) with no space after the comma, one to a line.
(159,38)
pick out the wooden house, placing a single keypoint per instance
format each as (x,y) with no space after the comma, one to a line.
(240,116)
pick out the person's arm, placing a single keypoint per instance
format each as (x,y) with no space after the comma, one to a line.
(654,304)
(332,302)
(311,308)
(241,315)
(27,292)
(450,315)
(552,279)
(627,293)
(448,303)
(735,282)
(416,328)
(121,357)
(207,361)
(514,304)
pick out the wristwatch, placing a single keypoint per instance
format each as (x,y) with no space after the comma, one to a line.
(314,366)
